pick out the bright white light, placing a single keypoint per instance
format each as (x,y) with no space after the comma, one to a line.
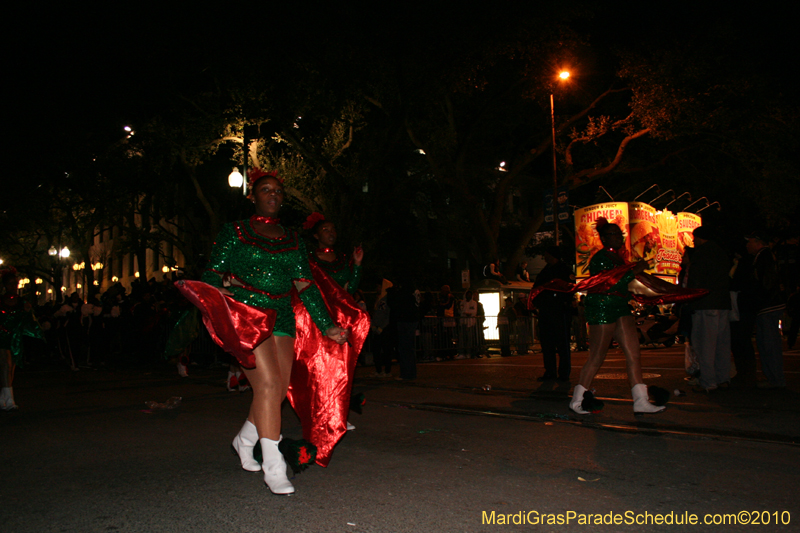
(235,178)
(165,269)
(38,281)
(491,308)
(564,75)
(502,163)
(52,251)
(114,279)
(128,129)
(78,286)
(421,151)
(63,289)
(64,253)
(49,291)
(135,274)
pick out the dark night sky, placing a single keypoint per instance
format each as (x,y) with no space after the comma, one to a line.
(82,71)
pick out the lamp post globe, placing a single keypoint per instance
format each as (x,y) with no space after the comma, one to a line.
(235,178)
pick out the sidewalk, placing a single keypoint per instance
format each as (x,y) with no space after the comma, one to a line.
(508,387)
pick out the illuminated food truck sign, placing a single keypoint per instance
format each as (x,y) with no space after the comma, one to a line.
(658,237)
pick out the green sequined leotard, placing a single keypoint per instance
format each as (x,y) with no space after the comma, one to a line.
(15,322)
(606,308)
(267,268)
(341,269)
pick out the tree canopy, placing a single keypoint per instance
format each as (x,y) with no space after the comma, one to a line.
(395,126)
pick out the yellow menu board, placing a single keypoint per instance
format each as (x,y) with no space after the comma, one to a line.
(645,233)
(668,259)
(687,222)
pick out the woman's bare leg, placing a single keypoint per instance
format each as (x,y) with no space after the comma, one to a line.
(6,369)
(270,382)
(628,340)
(600,336)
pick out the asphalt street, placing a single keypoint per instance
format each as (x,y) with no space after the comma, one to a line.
(474,445)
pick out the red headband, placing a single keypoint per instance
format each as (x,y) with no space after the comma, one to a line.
(312,219)
(255,174)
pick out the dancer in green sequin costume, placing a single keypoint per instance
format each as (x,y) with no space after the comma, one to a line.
(609,317)
(262,261)
(344,269)
(16,320)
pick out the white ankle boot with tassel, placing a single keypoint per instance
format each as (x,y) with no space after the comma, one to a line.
(274,467)
(577,399)
(243,444)
(7,399)
(641,402)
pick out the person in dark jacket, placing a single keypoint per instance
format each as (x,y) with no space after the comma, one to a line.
(769,304)
(405,312)
(555,316)
(711,332)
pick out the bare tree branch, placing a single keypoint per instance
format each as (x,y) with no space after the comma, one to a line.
(591,173)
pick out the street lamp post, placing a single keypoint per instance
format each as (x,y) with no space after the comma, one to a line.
(60,255)
(236,179)
(563,75)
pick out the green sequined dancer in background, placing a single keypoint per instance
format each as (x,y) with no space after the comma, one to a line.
(16,320)
(344,269)
(610,318)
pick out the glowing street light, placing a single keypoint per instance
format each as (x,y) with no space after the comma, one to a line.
(563,75)
(235,178)
(64,253)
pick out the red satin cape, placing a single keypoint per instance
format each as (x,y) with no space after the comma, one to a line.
(322,375)
(647,289)
(234,326)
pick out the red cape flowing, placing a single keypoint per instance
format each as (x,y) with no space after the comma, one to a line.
(234,326)
(322,375)
(646,289)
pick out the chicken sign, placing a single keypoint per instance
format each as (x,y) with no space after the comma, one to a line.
(658,237)
(587,240)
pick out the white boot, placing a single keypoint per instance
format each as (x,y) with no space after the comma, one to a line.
(244,385)
(641,403)
(232,383)
(577,398)
(7,399)
(243,444)
(274,468)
